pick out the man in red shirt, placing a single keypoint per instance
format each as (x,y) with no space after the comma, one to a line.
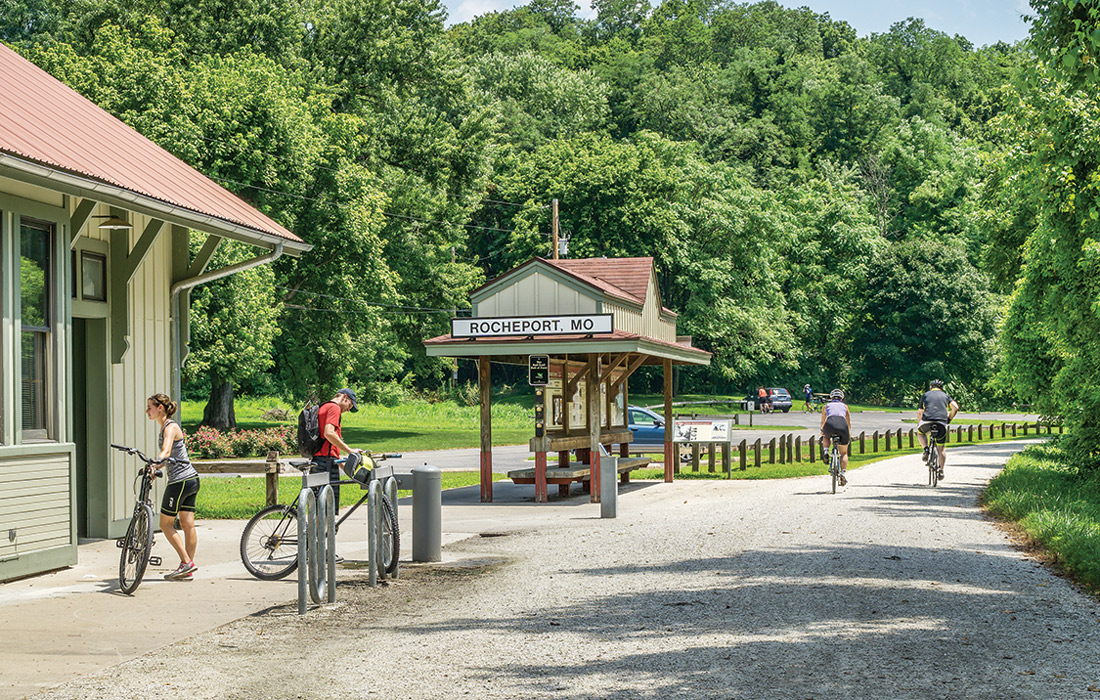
(328,420)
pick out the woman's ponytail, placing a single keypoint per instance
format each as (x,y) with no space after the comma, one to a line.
(170,407)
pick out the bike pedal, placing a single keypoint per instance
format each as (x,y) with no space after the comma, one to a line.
(155,561)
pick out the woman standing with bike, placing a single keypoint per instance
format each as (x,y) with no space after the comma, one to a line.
(836,424)
(182,489)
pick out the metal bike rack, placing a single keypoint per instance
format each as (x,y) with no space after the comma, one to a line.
(316,543)
(383,483)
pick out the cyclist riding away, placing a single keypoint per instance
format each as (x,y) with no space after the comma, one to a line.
(935,411)
(836,424)
(182,489)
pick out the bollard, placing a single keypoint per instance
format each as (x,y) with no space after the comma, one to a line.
(742,454)
(427,513)
(609,486)
(798,449)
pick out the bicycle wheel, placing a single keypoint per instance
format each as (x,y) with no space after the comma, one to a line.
(269,543)
(834,468)
(391,537)
(135,549)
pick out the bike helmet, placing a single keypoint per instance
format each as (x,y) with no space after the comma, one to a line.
(935,384)
(836,395)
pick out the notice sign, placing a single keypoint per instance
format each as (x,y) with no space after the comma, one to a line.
(531,325)
(538,370)
(701,431)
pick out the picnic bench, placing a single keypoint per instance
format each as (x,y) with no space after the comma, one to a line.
(564,477)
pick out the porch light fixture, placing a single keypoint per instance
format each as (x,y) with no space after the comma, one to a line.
(113,222)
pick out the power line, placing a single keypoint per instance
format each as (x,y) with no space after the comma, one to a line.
(406,307)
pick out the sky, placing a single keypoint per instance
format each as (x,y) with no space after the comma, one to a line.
(981,21)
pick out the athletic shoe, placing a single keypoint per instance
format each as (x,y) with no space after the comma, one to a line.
(939,474)
(843,479)
(184,569)
(925,453)
(339,559)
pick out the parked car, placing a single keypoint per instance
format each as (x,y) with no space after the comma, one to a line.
(648,427)
(779,397)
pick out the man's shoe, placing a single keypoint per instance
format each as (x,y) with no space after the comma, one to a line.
(925,453)
(939,474)
(843,479)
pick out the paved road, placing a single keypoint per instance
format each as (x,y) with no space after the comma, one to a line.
(510,457)
(742,589)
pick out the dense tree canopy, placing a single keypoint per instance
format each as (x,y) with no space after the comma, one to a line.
(822,207)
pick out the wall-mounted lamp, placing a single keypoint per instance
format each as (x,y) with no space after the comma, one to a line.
(113,222)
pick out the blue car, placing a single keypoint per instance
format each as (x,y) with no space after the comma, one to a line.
(648,427)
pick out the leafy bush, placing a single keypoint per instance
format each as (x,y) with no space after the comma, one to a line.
(210,443)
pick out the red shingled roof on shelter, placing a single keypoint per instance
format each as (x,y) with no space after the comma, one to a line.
(619,276)
(45,121)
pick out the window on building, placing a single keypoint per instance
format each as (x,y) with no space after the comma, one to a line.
(35,284)
(93,275)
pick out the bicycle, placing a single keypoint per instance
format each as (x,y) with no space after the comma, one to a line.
(834,462)
(137,545)
(269,543)
(813,405)
(932,457)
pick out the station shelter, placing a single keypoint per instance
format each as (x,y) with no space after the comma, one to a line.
(593,322)
(96,268)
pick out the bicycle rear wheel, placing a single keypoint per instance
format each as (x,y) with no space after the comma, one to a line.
(136,547)
(269,543)
(834,468)
(391,537)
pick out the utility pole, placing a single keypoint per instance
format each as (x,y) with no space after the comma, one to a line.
(554,227)
(454,314)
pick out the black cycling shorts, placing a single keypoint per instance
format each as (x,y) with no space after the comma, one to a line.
(180,495)
(937,428)
(836,428)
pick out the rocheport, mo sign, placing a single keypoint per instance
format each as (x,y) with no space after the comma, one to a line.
(531,325)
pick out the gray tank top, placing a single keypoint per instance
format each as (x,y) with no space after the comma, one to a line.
(182,469)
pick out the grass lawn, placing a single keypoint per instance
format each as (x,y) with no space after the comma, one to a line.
(415,425)
(1055,504)
(229,498)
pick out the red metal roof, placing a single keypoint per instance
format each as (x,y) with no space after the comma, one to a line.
(618,276)
(45,121)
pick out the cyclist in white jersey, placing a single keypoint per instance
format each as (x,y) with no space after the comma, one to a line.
(836,424)
(182,488)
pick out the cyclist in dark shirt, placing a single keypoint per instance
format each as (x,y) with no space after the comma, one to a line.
(935,411)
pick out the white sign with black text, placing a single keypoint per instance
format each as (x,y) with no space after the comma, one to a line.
(531,325)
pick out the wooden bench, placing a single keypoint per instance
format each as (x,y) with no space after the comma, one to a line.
(564,477)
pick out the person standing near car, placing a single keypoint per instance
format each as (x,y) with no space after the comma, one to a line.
(935,411)
(328,423)
(762,400)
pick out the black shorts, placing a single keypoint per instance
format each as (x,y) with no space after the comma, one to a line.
(180,495)
(936,427)
(836,427)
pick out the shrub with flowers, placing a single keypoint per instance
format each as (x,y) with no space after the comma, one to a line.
(211,443)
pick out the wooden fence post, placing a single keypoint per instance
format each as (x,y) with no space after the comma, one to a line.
(889,434)
(759,448)
(798,449)
(899,438)
(862,441)
(1048,428)
(1013,430)
(743,454)
(726,461)
(959,434)
(1004,426)
(1061,428)
(694,456)
(979,432)
(813,449)
(1025,428)
(911,445)
(874,442)
(771,451)
(782,449)
(710,456)
(271,477)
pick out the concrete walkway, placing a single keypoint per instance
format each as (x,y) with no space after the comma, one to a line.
(718,589)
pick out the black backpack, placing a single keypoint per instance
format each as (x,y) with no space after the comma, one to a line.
(310,439)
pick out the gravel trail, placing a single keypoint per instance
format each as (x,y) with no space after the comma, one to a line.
(747,589)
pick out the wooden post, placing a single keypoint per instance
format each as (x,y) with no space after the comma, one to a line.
(959,434)
(874,443)
(592,384)
(486,431)
(899,438)
(1048,428)
(979,432)
(541,492)
(727,462)
(912,444)
(694,456)
(813,449)
(889,434)
(798,449)
(711,448)
(790,448)
(1013,430)
(759,448)
(862,441)
(743,454)
(271,477)
(1004,427)
(671,458)
(771,451)
(563,459)
(782,449)
(970,433)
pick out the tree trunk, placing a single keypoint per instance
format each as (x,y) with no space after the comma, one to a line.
(219,408)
